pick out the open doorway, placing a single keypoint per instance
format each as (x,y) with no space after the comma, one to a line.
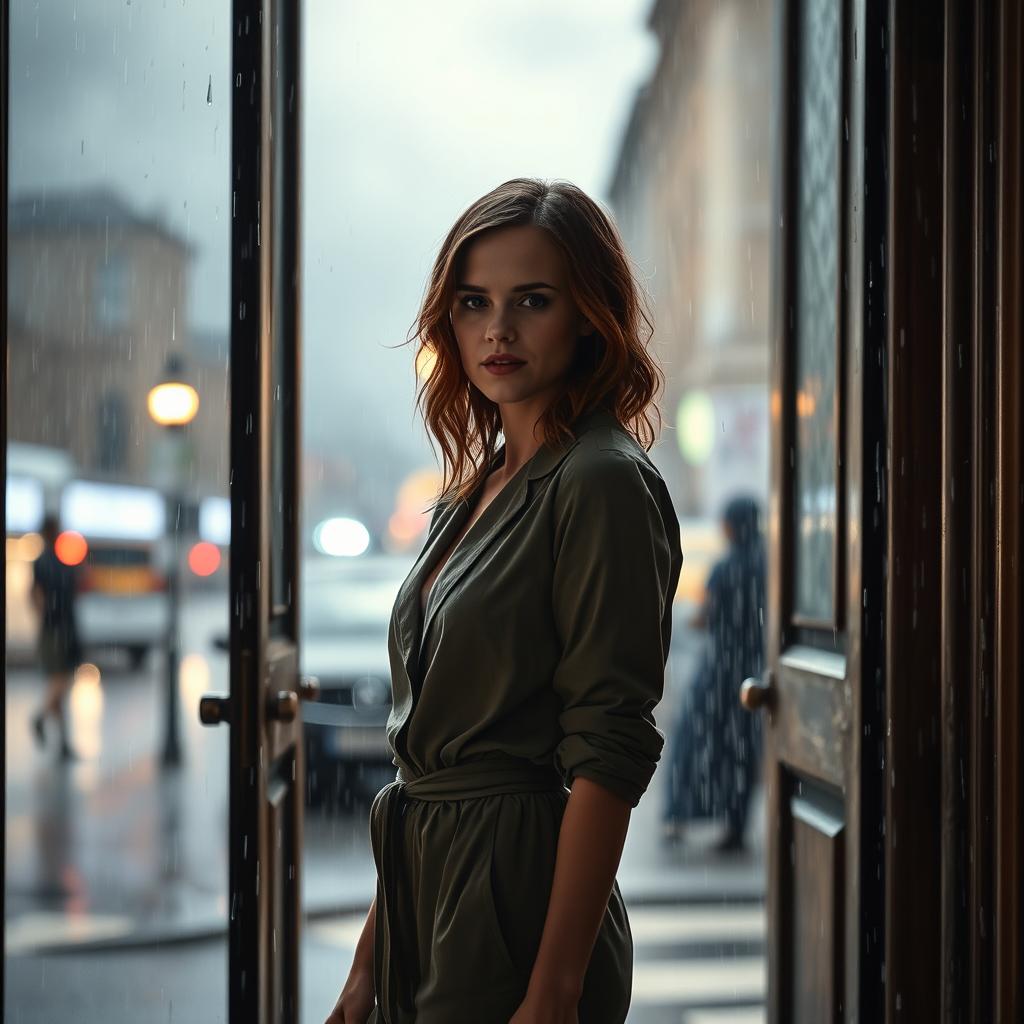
(119,217)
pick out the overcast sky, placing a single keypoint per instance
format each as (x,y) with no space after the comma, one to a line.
(412,110)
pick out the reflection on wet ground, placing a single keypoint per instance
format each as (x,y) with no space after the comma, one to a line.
(113,845)
(110,844)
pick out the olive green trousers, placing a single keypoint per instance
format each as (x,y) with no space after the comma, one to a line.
(465,859)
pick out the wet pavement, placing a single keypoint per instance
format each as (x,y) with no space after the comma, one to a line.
(692,966)
(113,850)
(113,845)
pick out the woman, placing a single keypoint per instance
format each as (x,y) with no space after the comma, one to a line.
(716,744)
(528,644)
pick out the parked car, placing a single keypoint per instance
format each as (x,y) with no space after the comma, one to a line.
(122,600)
(346,610)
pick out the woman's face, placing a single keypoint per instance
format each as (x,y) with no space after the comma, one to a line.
(512,299)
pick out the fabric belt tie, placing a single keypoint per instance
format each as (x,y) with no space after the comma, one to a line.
(492,776)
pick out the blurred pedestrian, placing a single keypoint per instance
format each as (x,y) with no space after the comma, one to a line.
(716,747)
(59,646)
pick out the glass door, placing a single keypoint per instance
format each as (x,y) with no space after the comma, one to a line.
(116,360)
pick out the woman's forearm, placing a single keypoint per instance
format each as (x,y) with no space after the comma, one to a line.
(590,841)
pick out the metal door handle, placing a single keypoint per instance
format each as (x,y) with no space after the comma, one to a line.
(756,694)
(308,688)
(214,709)
(283,706)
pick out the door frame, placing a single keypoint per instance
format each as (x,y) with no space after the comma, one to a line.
(851,681)
(266,773)
(935,488)
(955,894)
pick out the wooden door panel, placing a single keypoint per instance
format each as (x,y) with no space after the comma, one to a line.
(813,881)
(814,709)
(810,720)
(894,777)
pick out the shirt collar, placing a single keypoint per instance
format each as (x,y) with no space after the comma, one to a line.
(548,458)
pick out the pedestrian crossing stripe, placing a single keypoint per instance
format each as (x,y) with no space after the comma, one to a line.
(714,989)
(726,981)
(728,1015)
(657,925)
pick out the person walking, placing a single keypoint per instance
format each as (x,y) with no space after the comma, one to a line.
(528,643)
(715,750)
(54,585)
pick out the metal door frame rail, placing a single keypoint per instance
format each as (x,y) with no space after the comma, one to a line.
(265,222)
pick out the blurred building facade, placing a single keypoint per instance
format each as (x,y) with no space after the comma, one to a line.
(98,297)
(98,300)
(691,192)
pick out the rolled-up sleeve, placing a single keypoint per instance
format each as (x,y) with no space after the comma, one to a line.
(616,564)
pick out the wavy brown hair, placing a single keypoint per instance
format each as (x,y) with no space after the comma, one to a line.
(612,367)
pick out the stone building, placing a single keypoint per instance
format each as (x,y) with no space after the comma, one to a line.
(691,191)
(98,298)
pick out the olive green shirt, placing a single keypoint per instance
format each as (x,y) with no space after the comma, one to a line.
(546,633)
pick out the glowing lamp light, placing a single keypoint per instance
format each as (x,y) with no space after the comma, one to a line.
(426,360)
(695,427)
(404,529)
(173,404)
(409,519)
(341,537)
(805,404)
(418,489)
(25,549)
(204,558)
(70,547)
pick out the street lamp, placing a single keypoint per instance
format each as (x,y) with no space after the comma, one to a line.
(173,404)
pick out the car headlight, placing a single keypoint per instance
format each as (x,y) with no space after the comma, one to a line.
(371,692)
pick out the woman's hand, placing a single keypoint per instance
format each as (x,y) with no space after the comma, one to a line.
(357,999)
(356,1002)
(545,1004)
